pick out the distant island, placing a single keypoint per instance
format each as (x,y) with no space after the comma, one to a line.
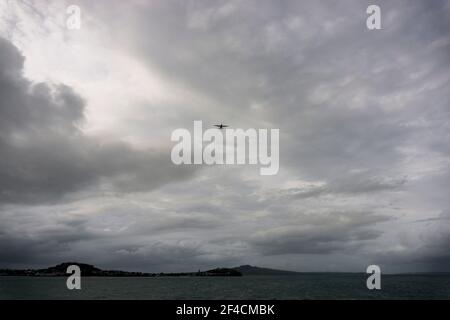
(88,270)
(249,270)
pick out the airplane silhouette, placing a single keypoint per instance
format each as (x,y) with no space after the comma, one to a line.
(220,126)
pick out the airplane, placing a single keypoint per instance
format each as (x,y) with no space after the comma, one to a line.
(220,126)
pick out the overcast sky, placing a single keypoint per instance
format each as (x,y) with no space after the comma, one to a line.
(86,117)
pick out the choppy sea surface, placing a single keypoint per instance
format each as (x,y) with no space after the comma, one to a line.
(304,286)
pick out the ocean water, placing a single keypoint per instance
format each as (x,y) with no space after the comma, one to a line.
(305,286)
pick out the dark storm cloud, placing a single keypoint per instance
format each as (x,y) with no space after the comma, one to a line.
(123,236)
(430,254)
(19,246)
(45,153)
(112,239)
(121,252)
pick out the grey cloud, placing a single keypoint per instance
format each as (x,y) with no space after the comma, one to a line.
(314,68)
(428,255)
(320,234)
(344,98)
(39,247)
(46,155)
(120,252)
(125,236)
(351,184)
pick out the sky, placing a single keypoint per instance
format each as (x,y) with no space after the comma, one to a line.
(86,117)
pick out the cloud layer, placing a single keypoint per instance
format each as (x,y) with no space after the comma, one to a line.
(85,172)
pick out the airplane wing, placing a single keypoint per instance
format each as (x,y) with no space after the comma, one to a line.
(224,126)
(217,125)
